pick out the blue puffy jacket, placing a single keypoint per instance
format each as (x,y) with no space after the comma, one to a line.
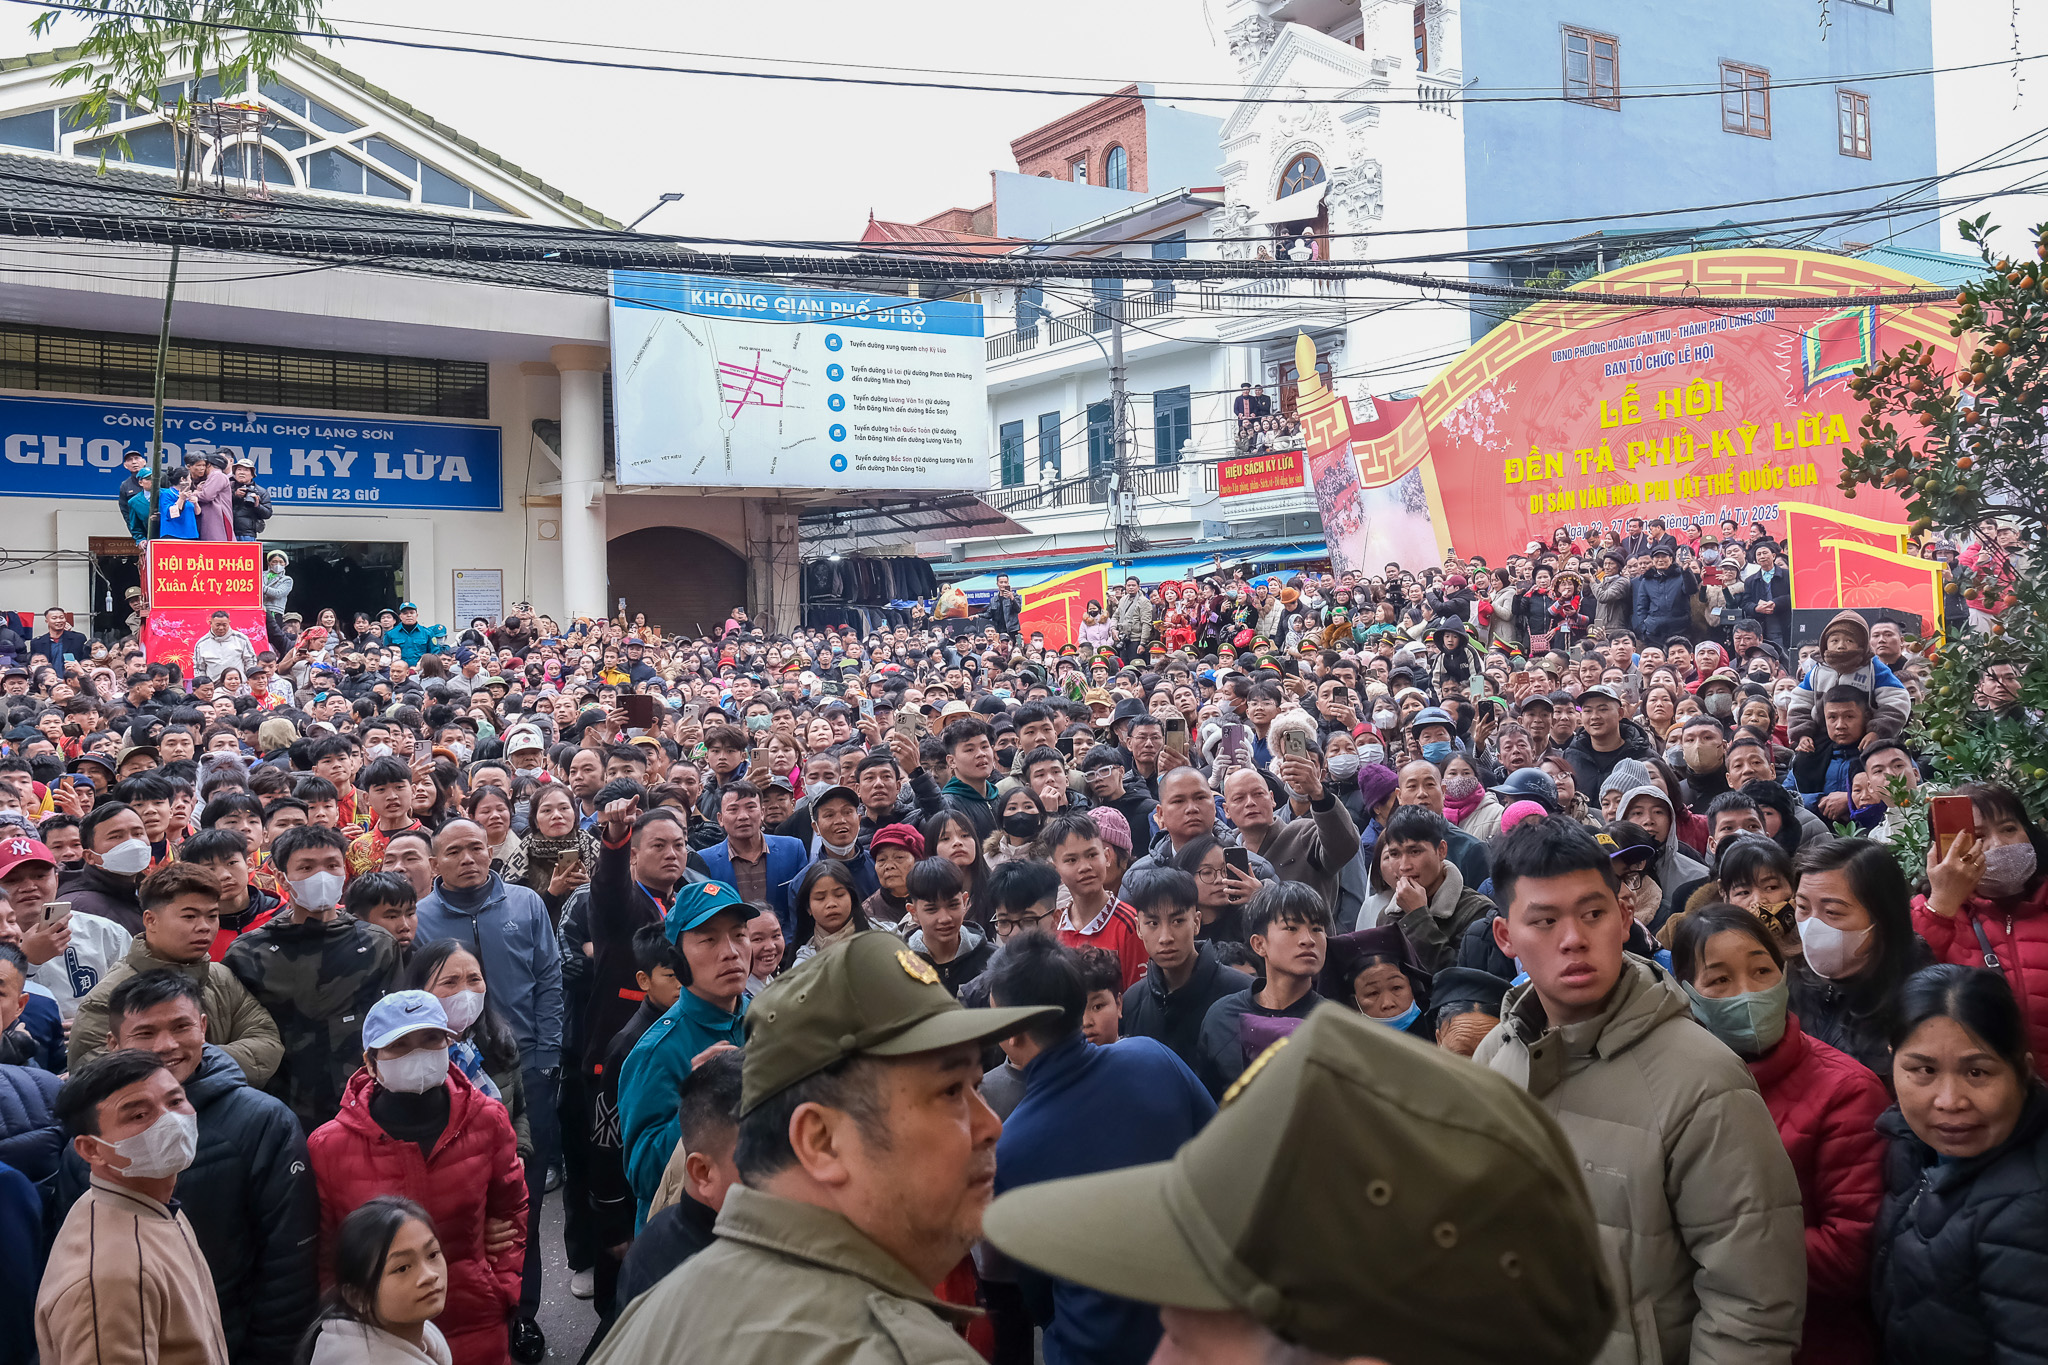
(31,1139)
(1663,604)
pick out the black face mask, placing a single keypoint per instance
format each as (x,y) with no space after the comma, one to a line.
(1023,824)
(1005,757)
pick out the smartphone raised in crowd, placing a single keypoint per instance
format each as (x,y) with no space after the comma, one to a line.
(1239,858)
(55,911)
(1948,816)
(1177,734)
(639,709)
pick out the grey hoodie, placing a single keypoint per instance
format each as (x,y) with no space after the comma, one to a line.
(1672,868)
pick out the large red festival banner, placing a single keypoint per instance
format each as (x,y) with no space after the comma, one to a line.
(1370,489)
(189,580)
(1583,415)
(1057,607)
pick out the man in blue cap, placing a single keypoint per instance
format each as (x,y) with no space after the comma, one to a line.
(708,926)
(412,638)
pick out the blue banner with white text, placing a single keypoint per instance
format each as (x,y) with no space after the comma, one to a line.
(73,447)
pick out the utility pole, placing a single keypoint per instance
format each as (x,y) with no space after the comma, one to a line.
(1119,479)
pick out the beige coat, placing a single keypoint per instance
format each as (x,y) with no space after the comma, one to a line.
(1697,1203)
(235,1022)
(127,1284)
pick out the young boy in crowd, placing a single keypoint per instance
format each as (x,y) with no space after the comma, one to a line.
(387,900)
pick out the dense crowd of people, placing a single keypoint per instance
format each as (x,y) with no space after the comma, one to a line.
(775,955)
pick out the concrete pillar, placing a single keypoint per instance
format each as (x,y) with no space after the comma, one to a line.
(584,578)
(774,570)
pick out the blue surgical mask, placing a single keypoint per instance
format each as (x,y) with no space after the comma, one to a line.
(1751,1023)
(1437,751)
(1402,1020)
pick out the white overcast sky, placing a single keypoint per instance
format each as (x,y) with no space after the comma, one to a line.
(784,159)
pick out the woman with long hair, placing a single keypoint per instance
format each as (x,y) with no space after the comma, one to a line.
(484,1048)
(549,858)
(390,1283)
(1987,902)
(1857,947)
(1221,891)
(828,911)
(1825,1105)
(952,836)
(434,795)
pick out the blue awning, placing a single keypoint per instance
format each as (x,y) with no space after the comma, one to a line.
(1164,566)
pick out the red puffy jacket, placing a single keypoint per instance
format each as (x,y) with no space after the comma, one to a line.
(1826,1105)
(475,1174)
(2017,930)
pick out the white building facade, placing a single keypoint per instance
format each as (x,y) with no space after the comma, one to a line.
(1341,135)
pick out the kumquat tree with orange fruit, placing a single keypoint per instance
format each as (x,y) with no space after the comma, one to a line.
(1964,439)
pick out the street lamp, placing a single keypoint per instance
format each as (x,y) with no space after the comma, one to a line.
(668,198)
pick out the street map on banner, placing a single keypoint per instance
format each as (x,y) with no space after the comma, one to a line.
(757,383)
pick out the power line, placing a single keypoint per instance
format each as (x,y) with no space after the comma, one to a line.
(607,64)
(450,244)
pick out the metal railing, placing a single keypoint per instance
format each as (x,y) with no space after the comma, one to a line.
(1048,497)
(1436,97)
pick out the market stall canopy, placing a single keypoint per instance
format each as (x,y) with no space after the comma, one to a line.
(927,521)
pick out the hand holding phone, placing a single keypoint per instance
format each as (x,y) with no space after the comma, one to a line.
(1948,816)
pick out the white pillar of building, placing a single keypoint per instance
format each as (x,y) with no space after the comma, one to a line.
(584,576)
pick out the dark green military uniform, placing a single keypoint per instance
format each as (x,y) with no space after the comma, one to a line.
(318,980)
(1358,1193)
(791,1283)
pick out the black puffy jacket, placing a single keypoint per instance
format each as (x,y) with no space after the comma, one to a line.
(250,1197)
(1956,1264)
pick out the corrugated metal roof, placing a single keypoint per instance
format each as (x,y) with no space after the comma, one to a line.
(1935,267)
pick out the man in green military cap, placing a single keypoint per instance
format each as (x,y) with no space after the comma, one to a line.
(866,1157)
(1359,1194)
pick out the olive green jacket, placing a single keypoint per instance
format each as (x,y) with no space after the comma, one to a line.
(235,1022)
(788,1283)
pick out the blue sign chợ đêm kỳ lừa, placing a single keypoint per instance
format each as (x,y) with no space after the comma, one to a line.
(73,448)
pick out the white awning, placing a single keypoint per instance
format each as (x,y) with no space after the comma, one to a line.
(1298,207)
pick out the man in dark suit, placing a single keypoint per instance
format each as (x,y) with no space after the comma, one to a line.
(60,643)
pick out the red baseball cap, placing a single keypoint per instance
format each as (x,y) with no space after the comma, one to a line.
(19,849)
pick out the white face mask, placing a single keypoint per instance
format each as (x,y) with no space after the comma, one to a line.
(1343,767)
(320,891)
(463,1009)
(461,752)
(128,858)
(376,750)
(1834,953)
(532,774)
(161,1150)
(1372,754)
(415,1073)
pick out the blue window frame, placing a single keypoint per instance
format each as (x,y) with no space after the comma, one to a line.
(1010,446)
(1172,423)
(1048,445)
